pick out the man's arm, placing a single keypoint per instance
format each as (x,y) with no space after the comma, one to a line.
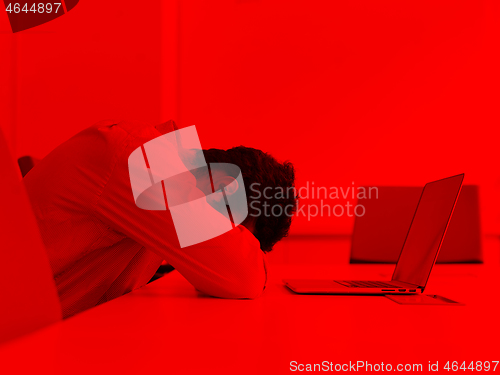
(229,266)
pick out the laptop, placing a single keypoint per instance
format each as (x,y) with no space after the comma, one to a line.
(418,255)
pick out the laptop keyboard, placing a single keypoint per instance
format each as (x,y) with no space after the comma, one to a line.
(365,284)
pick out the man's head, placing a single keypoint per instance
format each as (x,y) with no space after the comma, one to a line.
(269,187)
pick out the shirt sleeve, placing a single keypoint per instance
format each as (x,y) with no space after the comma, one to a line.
(231,265)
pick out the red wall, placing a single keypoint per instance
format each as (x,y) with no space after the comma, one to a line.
(391,92)
(101,60)
(368,92)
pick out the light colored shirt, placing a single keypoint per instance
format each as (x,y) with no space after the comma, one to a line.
(101,245)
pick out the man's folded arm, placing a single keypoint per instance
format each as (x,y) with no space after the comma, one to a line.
(228,266)
(231,265)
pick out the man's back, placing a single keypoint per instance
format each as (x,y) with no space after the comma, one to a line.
(91,262)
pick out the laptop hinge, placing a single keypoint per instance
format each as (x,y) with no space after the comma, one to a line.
(410,284)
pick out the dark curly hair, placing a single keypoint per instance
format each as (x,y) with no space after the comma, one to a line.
(260,171)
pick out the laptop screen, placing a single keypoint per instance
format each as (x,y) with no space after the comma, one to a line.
(427,230)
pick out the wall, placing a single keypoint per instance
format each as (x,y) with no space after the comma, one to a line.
(8,74)
(359,92)
(367,92)
(101,60)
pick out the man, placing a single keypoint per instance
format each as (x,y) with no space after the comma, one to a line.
(101,245)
